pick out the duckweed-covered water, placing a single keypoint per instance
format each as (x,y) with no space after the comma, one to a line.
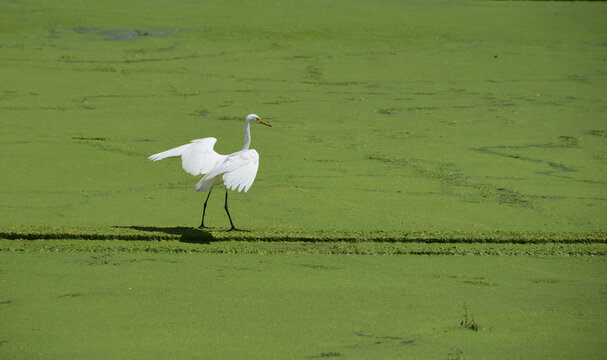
(398,127)
(417,115)
(142,306)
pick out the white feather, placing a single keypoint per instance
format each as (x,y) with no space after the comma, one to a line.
(169,153)
(197,157)
(237,171)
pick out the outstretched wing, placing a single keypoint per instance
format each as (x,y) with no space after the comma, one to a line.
(197,157)
(238,170)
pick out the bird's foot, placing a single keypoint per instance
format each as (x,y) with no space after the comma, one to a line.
(202,227)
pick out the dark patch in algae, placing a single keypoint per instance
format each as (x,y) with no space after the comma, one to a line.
(402,340)
(568,142)
(123,34)
(487,191)
(326,355)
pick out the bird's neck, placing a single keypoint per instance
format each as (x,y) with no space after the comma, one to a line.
(247,136)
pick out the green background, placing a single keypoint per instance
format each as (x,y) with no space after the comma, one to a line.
(401,128)
(142,306)
(387,115)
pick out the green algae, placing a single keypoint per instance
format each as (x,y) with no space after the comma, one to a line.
(145,305)
(138,239)
(205,235)
(193,240)
(394,116)
(399,128)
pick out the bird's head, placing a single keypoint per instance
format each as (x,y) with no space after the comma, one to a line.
(253,117)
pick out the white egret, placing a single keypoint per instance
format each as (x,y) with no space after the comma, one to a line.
(236,171)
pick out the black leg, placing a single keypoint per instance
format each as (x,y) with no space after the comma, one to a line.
(204,210)
(229,217)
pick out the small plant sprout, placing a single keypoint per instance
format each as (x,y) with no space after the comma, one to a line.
(469,322)
(456,355)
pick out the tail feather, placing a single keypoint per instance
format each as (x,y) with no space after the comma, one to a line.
(204,184)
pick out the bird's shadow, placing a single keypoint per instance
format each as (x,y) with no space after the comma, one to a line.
(185,234)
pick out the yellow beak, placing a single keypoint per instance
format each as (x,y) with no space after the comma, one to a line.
(264,122)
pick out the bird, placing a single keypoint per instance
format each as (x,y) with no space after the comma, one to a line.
(236,171)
